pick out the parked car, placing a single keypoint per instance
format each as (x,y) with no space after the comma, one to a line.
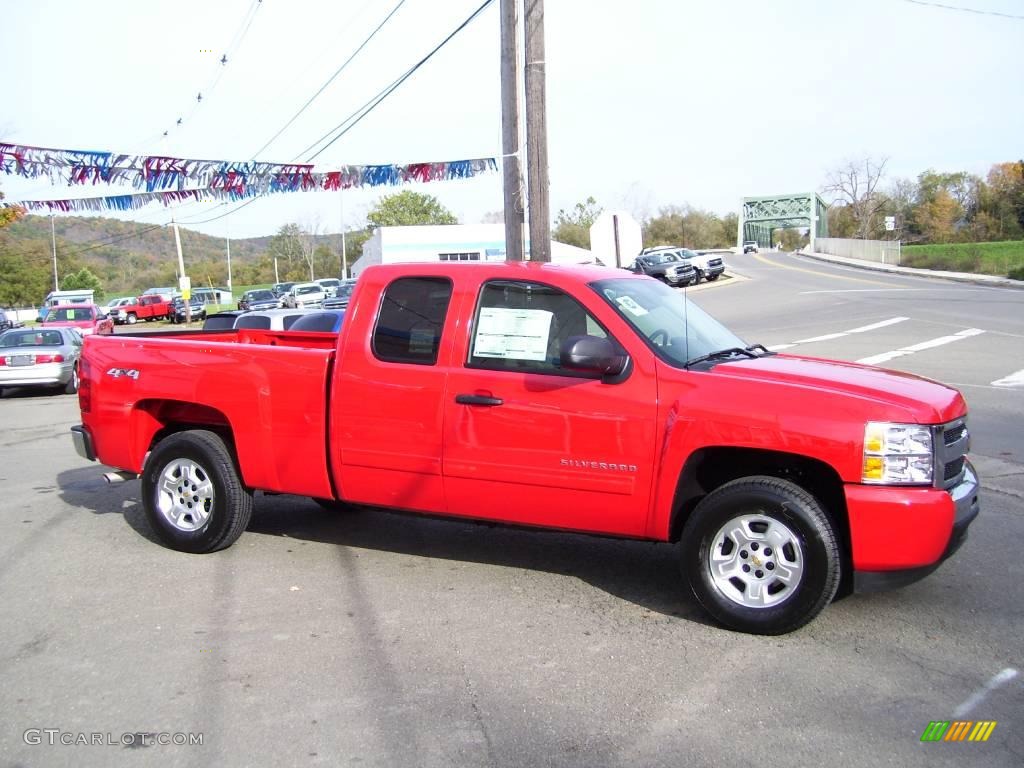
(304,295)
(40,357)
(657,265)
(166,293)
(325,321)
(706,266)
(112,306)
(146,307)
(750,246)
(177,311)
(329,284)
(280,289)
(222,321)
(87,318)
(341,297)
(262,298)
(271,319)
(9,320)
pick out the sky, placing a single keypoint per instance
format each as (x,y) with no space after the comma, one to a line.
(650,103)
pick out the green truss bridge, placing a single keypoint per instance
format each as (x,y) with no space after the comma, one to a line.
(761,216)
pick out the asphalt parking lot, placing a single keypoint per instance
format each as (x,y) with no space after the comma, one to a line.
(380,639)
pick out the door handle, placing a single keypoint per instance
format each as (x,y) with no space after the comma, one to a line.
(478,400)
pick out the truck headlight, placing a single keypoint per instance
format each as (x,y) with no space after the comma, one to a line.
(899,454)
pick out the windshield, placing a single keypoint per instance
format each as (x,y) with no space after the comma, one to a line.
(659,258)
(345,290)
(307,289)
(261,296)
(31,338)
(671,325)
(77,314)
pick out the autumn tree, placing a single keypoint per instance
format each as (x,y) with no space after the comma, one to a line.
(572,227)
(408,208)
(9,215)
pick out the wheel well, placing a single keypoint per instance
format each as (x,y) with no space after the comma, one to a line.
(160,418)
(710,468)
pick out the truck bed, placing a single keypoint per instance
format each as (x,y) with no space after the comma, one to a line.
(270,389)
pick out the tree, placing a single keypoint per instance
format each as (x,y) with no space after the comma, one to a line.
(690,227)
(83,279)
(285,250)
(408,208)
(573,227)
(855,185)
(938,217)
(9,215)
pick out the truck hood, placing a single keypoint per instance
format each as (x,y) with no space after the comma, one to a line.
(926,401)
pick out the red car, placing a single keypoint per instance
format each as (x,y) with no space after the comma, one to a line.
(573,398)
(87,318)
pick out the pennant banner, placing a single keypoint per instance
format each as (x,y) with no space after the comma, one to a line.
(157,174)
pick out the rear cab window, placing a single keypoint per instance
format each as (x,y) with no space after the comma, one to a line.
(411,319)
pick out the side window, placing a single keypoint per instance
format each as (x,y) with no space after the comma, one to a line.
(520,326)
(411,319)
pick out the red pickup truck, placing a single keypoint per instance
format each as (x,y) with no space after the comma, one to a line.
(147,307)
(574,398)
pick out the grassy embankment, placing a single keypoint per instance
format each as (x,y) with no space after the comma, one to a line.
(1005,259)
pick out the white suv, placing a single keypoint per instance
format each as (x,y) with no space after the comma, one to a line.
(305,295)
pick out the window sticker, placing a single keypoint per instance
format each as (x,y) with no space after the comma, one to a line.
(517,334)
(630,305)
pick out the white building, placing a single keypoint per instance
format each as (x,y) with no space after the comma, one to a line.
(451,242)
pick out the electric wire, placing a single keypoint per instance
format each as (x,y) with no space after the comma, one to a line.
(354,119)
(332,78)
(962,9)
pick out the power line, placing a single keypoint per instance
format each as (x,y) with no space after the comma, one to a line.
(111,241)
(331,79)
(353,120)
(962,9)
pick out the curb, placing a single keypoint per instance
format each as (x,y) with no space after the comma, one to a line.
(961,277)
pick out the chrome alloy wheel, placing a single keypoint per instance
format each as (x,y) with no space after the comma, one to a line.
(185,495)
(756,561)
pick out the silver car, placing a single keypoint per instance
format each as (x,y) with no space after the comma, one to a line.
(40,357)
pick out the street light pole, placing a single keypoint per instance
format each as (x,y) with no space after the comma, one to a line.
(53,238)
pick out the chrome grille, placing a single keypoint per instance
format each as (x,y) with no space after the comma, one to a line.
(950,452)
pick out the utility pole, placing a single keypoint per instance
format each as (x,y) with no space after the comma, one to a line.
(513,184)
(537,134)
(183,281)
(53,238)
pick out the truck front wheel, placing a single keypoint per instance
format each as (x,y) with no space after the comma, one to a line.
(192,494)
(761,555)
(132,319)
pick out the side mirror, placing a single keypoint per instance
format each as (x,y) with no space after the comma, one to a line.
(591,354)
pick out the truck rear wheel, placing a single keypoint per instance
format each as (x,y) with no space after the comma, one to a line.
(192,494)
(761,555)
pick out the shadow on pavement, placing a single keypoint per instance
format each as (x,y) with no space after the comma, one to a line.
(644,573)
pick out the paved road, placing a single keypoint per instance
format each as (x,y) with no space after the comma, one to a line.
(377,639)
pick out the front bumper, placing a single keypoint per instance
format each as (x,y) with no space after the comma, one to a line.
(901,535)
(82,439)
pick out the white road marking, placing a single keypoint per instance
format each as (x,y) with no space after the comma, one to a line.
(979,696)
(840,334)
(1013,380)
(826,337)
(930,344)
(876,326)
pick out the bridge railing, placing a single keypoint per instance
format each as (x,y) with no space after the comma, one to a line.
(882,251)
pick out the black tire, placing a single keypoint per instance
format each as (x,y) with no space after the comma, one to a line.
(72,386)
(712,278)
(697,276)
(203,457)
(132,319)
(778,505)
